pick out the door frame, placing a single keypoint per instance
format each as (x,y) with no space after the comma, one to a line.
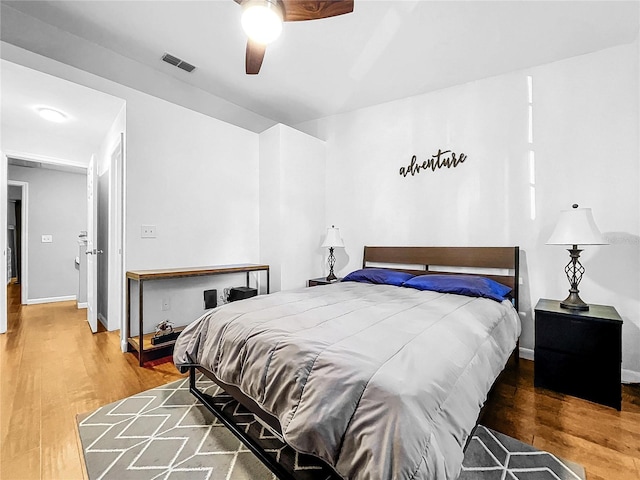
(24,238)
(3,240)
(92,244)
(116,239)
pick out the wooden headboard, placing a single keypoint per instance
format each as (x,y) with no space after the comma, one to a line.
(506,258)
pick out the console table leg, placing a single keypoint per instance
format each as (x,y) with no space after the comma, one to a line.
(140,329)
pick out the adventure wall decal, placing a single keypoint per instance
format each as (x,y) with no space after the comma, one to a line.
(444,158)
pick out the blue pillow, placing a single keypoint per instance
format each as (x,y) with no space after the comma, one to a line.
(378,275)
(469,285)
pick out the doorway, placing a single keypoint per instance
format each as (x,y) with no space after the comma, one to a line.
(17,235)
(51,218)
(57,188)
(17,231)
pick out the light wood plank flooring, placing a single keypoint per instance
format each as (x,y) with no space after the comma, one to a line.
(603,440)
(52,368)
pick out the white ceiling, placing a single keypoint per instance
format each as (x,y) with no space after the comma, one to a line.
(384,50)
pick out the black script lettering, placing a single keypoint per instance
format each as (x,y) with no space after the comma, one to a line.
(439,161)
(460,159)
(436,161)
(412,168)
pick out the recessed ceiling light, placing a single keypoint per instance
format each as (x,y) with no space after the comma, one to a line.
(52,115)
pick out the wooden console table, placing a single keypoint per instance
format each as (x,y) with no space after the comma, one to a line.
(142,343)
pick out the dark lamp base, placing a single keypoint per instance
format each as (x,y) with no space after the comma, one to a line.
(574,302)
(332,261)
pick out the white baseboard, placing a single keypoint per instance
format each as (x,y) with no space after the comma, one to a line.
(526,353)
(36,301)
(630,376)
(83,305)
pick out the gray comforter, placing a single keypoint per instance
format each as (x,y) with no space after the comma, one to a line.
(381,382)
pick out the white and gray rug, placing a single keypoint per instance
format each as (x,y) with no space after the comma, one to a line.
(491,455)
(166,433)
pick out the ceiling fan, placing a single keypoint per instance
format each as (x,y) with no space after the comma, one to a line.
(262,21)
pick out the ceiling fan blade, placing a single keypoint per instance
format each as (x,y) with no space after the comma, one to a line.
(298,10)
(254,57)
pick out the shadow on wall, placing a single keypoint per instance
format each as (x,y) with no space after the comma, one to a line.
(525,307)
(615,267)
(342,260)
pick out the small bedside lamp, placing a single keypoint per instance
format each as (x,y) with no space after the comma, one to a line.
(331,241)
(575,227)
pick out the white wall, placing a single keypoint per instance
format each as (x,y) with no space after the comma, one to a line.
(585,143)
(292,186)
(196,179)
(57,207)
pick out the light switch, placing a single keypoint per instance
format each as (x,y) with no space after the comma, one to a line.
(166,304)
(47,238)
(148,231)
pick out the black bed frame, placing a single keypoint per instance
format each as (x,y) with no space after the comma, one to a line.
(422,260)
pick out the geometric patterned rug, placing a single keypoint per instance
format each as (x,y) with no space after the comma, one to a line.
(491,455)
(166,433)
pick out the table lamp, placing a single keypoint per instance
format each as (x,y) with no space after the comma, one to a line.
(575,227)
(331,241)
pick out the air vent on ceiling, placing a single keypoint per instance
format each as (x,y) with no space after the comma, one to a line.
(178,62)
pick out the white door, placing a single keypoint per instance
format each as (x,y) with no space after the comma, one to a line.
(3,241)
(92,238)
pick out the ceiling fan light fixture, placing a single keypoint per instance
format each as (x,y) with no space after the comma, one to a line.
(262,20)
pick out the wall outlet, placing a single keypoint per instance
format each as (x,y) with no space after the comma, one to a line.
(148,231)
(166,304)
(47,238)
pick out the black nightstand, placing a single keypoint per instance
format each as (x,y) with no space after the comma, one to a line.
(321,281)
(579,352)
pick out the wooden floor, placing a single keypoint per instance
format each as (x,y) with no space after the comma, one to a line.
(52,368)
(603,440)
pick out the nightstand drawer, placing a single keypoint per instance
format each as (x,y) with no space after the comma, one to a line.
(596,379)
(576,335)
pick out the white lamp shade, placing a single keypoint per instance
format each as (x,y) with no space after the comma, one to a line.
(333,238)
(576,227)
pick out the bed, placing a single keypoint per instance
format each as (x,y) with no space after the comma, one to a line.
(379,380)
